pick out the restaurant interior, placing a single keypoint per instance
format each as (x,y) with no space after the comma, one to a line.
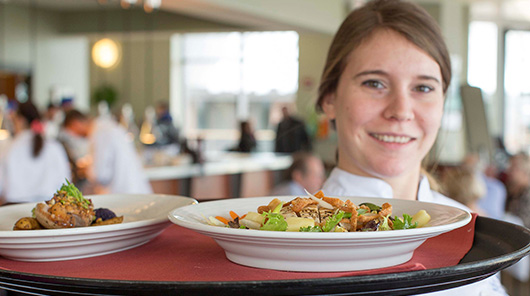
(213,64)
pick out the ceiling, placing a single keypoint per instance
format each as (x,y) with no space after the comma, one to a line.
(322,16)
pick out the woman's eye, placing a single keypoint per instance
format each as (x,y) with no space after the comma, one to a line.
(373,84)
(424,88)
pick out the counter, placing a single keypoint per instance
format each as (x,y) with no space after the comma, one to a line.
(222,175)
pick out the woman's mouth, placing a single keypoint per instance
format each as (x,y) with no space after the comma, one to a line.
(392,138)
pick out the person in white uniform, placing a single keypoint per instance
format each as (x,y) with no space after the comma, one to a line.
(34,167)
(116,167)
(383,87)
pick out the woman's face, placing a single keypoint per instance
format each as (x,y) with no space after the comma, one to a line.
(388,107)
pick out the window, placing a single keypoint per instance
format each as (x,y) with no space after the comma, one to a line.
(232,76)
(517,91)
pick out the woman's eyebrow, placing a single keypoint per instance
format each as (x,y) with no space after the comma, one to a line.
(381,72)
(371,72)
(428,77)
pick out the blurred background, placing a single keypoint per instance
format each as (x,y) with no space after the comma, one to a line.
(198,84)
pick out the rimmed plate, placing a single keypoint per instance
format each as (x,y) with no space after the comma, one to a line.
(145,217)
(316,251)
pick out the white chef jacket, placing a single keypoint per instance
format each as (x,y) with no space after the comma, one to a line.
(24,178)
(342,183)
(116,164)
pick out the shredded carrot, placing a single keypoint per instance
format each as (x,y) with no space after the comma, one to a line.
(222,219)
(233,215)
(243,217)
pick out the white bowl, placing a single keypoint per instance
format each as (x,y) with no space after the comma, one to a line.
(145,217)
(317,251)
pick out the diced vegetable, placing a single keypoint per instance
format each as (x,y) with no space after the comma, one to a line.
(213,221)
(222,219)
(295,223)
(233,215)
(252,220)
(421,218)
(255,217)
(249,224)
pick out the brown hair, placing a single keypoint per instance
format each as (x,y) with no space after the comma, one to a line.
(299,164)
(405,18)
(73,115)
(31,115)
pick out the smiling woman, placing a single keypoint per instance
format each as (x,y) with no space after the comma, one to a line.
(384,83)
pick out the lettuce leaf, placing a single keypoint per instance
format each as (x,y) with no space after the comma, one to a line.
(275,222)
(332,221)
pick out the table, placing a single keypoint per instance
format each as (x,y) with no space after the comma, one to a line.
(497,245)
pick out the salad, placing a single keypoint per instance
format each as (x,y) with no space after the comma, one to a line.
(319,213)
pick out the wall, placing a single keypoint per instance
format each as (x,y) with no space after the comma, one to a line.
(32,44)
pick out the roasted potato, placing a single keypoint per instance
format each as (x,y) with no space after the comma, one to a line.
(27,223)
(115,220)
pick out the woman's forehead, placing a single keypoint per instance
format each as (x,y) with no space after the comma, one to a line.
(384,45)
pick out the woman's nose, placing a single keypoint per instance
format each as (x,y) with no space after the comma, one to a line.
(399,107)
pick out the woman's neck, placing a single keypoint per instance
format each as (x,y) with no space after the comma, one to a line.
(404,186)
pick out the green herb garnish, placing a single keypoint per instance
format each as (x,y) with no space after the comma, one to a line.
(405,223)
(72,191)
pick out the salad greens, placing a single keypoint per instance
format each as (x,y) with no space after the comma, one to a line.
(275,222)
(405,223)
(332,221)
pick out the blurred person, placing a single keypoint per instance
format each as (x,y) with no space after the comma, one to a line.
(115,166)
(306,172)
(465,186)
(247,140)
(34,167)
(493,203)
(167,132)
(518,187)
(52,119)
(517,180)
(70,135)
(383,86)
(291,134)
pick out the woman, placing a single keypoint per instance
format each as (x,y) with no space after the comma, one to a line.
(383,86)
(34,167)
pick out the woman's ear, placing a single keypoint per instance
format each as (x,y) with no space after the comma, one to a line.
(328,105)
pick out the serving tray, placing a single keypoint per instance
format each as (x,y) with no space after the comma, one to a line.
(497,245)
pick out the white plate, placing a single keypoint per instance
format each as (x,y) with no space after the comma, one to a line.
(317,251)
(145,217)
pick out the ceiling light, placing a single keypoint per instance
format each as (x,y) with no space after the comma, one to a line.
(105,53)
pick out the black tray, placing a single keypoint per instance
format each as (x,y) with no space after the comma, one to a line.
(497,245)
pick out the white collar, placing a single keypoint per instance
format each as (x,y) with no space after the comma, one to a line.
(343,183)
